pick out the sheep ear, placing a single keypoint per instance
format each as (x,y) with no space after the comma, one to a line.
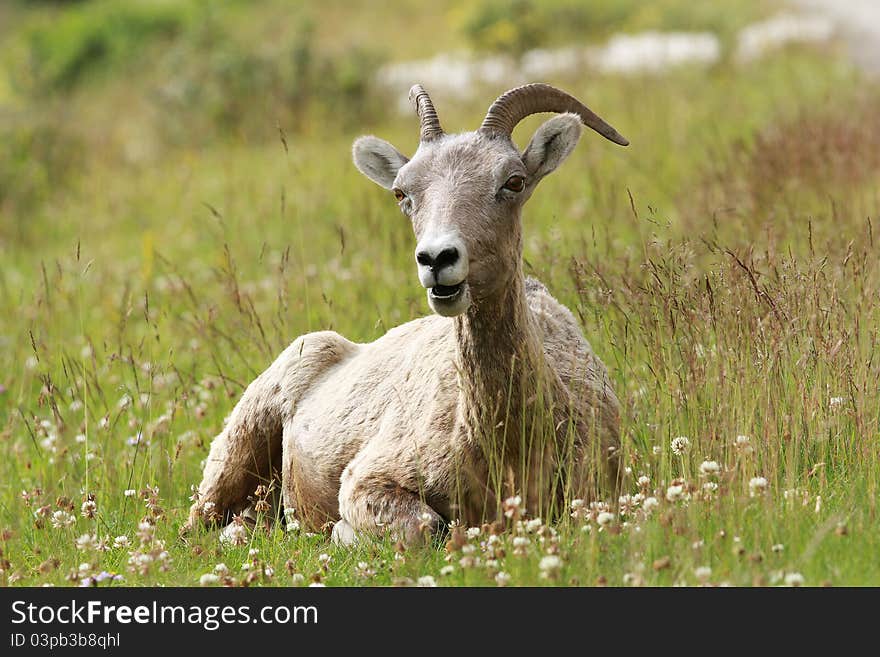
(378,160)
(551,144)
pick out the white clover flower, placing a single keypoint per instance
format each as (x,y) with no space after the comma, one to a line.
(757,486)
(80,438)
(836,401)
(324,559)
(512,506)
(502,578)
(643,481)
(550,566)
(650,504)
(577,504)
(253,552)
(709,468)
(778,547)
(533,525)
(234,534)
(297,579)
(675,493)
(62,519)
(208,579)
(121,542)
(130,492)
(794,579)
(656,450)
(445,571)
(426,581)
(604,519)
(703,573)
(520,545)
(680,445)
(86,542)
(88,509)
(473,532)
(317,585)
(710,487)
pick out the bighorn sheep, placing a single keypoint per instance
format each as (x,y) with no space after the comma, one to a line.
(496,393)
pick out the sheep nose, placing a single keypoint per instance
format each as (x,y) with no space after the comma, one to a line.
(445,258)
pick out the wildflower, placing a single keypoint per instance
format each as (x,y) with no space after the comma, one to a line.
(709,468)
(643,481)
(650,504)
(757,486)
(89,508)
(473,532)
(550,566)
(364,570)
(818,508)
(445,571)
(743,444)
(680,445)
(426,581)
(80,438)
(468,562)
(710,487)
(324,559)
(512,506)
(502,578)
(604,519)
(130,492)
(317,585)
(297,579)
(675,493)
(145,531)
(656,450)
(836,401)
(697,545)
(62,519)
(778,547)
(121,542)
(703,573)
(520,545)
(235,534)
(533,525)
(208,579)
(221,569)
(794,579)
(86,542)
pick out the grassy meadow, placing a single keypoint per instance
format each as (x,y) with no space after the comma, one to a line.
(178,203)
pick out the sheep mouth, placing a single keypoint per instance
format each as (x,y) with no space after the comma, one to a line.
(447,293)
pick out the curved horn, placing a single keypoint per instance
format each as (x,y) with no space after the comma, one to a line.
(430,124)
(515,105)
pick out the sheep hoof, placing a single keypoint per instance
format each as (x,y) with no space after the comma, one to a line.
(343,534)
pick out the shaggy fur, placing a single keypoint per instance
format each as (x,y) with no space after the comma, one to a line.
(442,417)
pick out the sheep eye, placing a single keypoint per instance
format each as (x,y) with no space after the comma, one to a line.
(515,183)
(399,195)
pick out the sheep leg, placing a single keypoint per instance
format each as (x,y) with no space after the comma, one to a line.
(246,453)
(371,503)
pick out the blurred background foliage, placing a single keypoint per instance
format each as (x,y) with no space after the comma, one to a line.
(126,81)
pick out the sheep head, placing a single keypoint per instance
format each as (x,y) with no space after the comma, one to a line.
(464,193)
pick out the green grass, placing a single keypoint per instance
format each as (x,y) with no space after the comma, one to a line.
(730,293)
